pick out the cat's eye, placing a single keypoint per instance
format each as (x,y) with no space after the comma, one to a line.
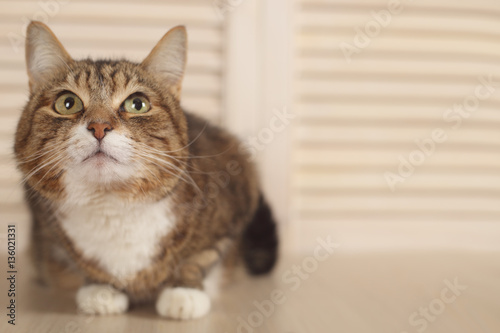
(68,103)
(136,104)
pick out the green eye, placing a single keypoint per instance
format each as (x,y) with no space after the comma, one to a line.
(136,104)
(68,103)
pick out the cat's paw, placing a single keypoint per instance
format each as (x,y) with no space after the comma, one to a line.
(182,303)
(101,299)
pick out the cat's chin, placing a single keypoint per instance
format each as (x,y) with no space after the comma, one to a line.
(100,159)
(103,169)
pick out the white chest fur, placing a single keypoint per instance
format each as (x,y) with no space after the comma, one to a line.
(122,238)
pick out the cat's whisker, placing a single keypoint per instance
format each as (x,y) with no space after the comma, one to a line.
(40,154)
(190,143)
(26,178)
(185,164)
(53,159)
(159,152)
(35,169)
(210,156)
(191,156)
(177,158)
(151,173)
(163,164)
(48,171)
(154,160)
(181,171)
(152,152)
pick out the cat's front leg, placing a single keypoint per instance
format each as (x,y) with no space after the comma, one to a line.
(101,299)
(186,300)
(182,303)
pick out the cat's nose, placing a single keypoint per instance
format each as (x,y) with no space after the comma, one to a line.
(99,129)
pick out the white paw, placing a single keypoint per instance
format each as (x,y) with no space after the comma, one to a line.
(182,303)
(101,299)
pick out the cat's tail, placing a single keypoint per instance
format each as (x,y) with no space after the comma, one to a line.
(260,241)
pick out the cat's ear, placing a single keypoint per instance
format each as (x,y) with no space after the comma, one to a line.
(168,59)
(45,55)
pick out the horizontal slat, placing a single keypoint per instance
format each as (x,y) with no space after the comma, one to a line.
(16,213)
(402,192)
(347,156)
(359,232)
(12,102)
(441,69)
(137,35)
(386,77)
(184,2)
(446,15)
(110,44)
(432,89)
(388,113)
(409,43)
(131,12)
(376,180)
(208,107)
(409,98)
(402,134)
(8,126)
(450,5)
(6,147)
(198,61)
(402,216)
(11,195)
(481,30)
(9,176)
(385,202)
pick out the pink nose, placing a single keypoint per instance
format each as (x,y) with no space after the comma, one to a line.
(99,129)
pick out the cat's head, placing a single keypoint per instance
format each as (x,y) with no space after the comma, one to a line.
(102,125)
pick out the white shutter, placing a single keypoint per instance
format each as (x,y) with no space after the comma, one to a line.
(112,29)
(357,118)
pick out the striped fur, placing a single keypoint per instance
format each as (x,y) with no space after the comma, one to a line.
(163,155)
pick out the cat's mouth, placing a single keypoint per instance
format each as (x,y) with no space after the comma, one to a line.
(100,156)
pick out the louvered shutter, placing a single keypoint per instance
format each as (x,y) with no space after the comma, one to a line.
(361,115)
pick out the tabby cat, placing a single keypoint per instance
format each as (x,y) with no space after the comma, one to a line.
(132,198)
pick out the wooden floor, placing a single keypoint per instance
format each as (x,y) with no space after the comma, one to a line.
(351,293)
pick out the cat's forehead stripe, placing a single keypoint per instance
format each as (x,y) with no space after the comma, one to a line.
(107,84)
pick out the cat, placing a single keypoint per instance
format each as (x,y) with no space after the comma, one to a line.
(132,198)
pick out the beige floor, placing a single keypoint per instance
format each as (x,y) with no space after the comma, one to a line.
(372,293)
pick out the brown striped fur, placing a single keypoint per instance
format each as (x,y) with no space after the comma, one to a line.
(210,223)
